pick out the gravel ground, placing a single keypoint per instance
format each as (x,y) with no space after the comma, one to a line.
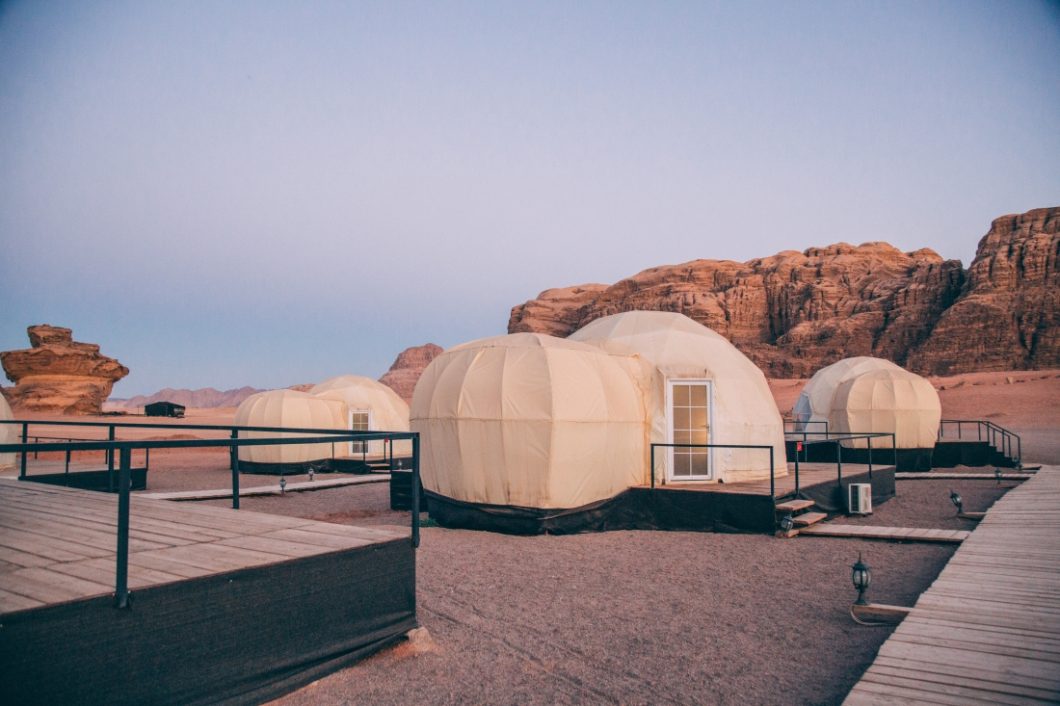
(926,503)
(634,617)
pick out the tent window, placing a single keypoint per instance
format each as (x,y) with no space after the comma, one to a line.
(360,420)
(690,424)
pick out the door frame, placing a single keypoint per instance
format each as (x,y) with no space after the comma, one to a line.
(349,426)
(669,396)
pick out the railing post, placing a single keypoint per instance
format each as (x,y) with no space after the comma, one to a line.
(416,491)
(234,462)
(111,482)
(839,462)
(869,439)
(25,438)
(894,451)
(651,468)
(772,480)
(797,472)
(121,588)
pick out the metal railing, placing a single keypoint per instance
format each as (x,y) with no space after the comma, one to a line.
(1000,438)
(821,424)
(837,439)
(231,429)
(124,449)
(772,466)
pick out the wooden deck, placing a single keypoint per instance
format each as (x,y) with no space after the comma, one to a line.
(58,544)
(227,605)
(988,628)
(809,474)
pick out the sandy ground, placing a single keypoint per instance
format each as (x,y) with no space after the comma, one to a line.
(637,617)
(1026,402)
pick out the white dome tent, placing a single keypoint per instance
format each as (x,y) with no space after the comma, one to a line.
(371,406)
(887,401)
(530,433)
(702,390)
(287,408)
(812,408)
(529,422)
(8,434)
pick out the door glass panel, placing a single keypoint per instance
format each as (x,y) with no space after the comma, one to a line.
(358,422)
(690,415)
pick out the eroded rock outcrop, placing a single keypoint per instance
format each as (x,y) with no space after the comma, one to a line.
(796,312)
(407,368)
(59,374)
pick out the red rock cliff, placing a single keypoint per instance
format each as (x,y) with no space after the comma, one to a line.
(408,367)
(794,312)
(59,374)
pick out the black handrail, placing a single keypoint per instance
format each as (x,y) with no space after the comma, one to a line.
(993,432)
(772,469)
(796,422)
(126,447)
(837,440)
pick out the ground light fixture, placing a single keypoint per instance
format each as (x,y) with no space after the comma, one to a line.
(283,485)
(861,576)
(958,503)
(311,474)
(997,474)
(787,522)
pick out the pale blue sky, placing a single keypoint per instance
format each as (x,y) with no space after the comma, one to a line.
(271,193)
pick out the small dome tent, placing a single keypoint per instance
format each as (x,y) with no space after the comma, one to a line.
(814,405)
(527,425)
(889,401)
(8,433)
(371,405)
(702,390)
(287,408)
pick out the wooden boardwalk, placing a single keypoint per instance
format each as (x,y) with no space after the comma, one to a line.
(988,628)
(904,534)
(58,544)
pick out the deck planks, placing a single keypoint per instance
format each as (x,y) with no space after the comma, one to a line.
(988,629)
(909,534)
(58,544)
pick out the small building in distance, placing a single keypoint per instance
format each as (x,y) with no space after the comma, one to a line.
(164,409)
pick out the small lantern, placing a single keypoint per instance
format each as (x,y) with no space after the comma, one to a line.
(283,485)
(787,522)
(312,473)
(997,474)
(958,503)
(861,575)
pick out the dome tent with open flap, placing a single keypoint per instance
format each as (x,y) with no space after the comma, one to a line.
(814,405)
(887,401)
(702,389)
(8,433)
(287,408)
(525,426)
(372,406)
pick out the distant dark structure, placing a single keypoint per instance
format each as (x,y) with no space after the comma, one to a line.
(164,409)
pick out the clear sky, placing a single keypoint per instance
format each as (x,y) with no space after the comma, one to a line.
(230,193)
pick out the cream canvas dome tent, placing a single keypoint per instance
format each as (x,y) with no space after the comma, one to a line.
(702,390)
(527,432)
(812,408)
(892,401)
(288,408)
(8,434)
(371,406)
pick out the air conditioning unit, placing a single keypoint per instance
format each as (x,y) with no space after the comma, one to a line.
(859,499)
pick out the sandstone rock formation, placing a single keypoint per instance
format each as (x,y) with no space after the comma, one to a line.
(407,368)
(59,374)
(202,397)
(1008,313)
(794,313)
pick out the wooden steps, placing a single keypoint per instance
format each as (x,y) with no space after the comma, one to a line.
(905,534)
(807,519)
(794,505)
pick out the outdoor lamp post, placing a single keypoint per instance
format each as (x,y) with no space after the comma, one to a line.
(958,503)
(787,522)
(283,485)
(997,474)
(311,474)
(861,576)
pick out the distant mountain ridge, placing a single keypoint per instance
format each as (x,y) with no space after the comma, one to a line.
(202,397)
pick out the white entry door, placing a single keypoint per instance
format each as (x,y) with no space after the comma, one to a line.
(689,412)
(360,420)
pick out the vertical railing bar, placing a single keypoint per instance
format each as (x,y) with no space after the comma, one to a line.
(234,463)
(121,588)
(416,491)
(25,438)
